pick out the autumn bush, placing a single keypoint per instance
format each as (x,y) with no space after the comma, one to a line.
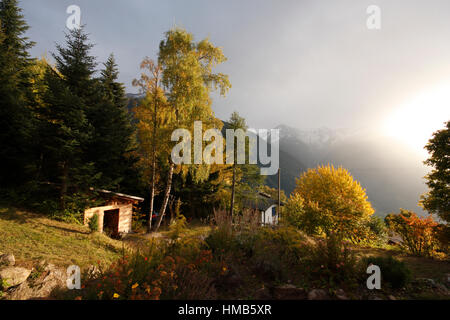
(221,238)
(247,221)
(178,225)
(130,277)
(378,230)
(393,271)
(160,273)
(419,235)
(296,215)
(370,232)
(286,254)
(278,253)
(261,250)
(333,262)
(228,234)
(328,199)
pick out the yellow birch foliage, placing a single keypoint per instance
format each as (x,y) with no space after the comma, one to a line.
(332,201)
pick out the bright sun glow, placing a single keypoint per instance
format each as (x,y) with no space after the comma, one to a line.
(415,121)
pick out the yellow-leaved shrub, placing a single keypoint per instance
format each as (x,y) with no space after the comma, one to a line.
(328,199)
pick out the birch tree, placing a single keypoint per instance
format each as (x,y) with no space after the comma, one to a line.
(154,121)
(188,80)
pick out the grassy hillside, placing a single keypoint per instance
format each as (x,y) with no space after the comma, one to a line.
(420,267)
(31,238)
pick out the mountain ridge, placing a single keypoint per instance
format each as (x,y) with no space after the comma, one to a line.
(390,172)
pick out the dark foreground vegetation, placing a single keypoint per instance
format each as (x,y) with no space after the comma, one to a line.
(217,260)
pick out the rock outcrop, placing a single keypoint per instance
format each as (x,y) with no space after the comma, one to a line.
(18,283)
(47,280)
(318,294)
(7,260)
(12,276)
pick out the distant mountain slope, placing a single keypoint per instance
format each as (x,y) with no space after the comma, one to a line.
(290,170)
(391,174)
(289,164)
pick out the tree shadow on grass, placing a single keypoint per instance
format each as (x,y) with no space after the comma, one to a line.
(12,214)
(66,229)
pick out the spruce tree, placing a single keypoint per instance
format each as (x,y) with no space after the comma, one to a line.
(113,90)
(75,64)
(67,131)
(113,140)
(15,93)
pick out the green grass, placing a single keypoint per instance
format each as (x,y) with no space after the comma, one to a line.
(421,267)
(32,238)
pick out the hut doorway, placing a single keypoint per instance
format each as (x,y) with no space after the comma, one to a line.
(115,215)
(111,222)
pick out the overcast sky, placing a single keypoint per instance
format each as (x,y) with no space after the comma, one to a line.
(305,64)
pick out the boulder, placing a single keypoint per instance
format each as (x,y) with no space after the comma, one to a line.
(7,260)
(13,276)
(318,294)
(289,292)
(49,279)
(341,295)
(428,282)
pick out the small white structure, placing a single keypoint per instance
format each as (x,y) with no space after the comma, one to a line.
(264,206)
(269,216)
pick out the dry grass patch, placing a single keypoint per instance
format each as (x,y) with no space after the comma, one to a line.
(141,240)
